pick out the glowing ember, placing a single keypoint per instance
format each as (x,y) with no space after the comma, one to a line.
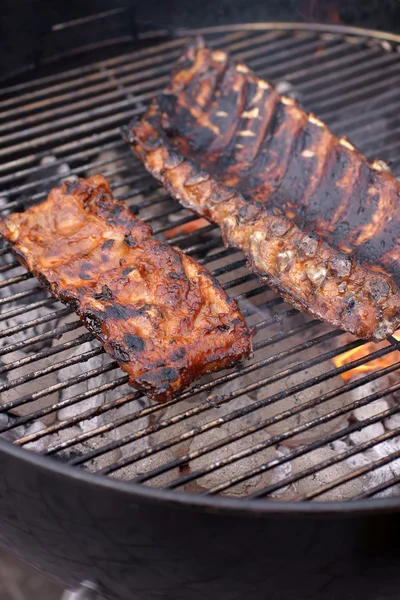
(332,14)
(187,227)
(320,11)
(366,350)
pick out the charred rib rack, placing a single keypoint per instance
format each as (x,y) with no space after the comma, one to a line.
(157,312)
(314,218)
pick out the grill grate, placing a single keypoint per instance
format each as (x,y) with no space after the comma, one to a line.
(285,425)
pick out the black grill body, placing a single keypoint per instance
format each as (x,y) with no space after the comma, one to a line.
(139,546)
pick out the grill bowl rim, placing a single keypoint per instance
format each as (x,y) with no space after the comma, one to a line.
(290,26)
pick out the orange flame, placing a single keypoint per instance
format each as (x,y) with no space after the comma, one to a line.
(187,227)
(361,352)
(320,11)
(332,14)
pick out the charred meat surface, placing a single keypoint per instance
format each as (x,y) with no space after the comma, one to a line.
(314,218)
(157,312)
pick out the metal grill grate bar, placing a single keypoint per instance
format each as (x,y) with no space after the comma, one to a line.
(314,446)
(86,337)
(40,320)
(212,402)
(156,82)
(82,358)
(196,390)
(125,89)
(51,335)
(363,471)
(9,266)
(334,437)
(359,62)
(135,59)
(150,94)
(117,77)
(383,487)
(72,381)
(54,180)
(254,449)
(8,406)
(51,369)
(20,295)
(25,309)
(247,312)
(195,432)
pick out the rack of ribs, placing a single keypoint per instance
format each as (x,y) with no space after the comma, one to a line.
(157,311)
(315,220)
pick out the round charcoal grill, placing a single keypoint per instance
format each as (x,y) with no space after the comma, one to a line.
(310,426)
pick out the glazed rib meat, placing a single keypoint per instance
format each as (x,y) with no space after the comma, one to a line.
(156,311)
(315,220)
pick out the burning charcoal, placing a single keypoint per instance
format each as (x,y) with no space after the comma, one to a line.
(364,460)
(64,414)
(386,472)
(372,409)
(389,471)
(65,173)
(91,403)
(38,445)
(280,473)
(240,467)
(256,310)
(367,433)
(392,422)
(363,391)
(225,431)
(191,444)
(372,365)
(285,88)
(4,200)
(102,461)
(182,427)
(387,448)
(82,448)
(62,436)
(159,459)
(157,209)
(63,170)
(177,430)
(225,263)
(12,434)
(34,385)
(78,368)
(297,400)
(111,416)
(128,429)
(48,160)
(114,165)
(321,478)
(21,319)
(356,461)
(190,230)
(131,427)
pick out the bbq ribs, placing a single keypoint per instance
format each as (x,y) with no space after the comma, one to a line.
(315,220)
(157,312)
